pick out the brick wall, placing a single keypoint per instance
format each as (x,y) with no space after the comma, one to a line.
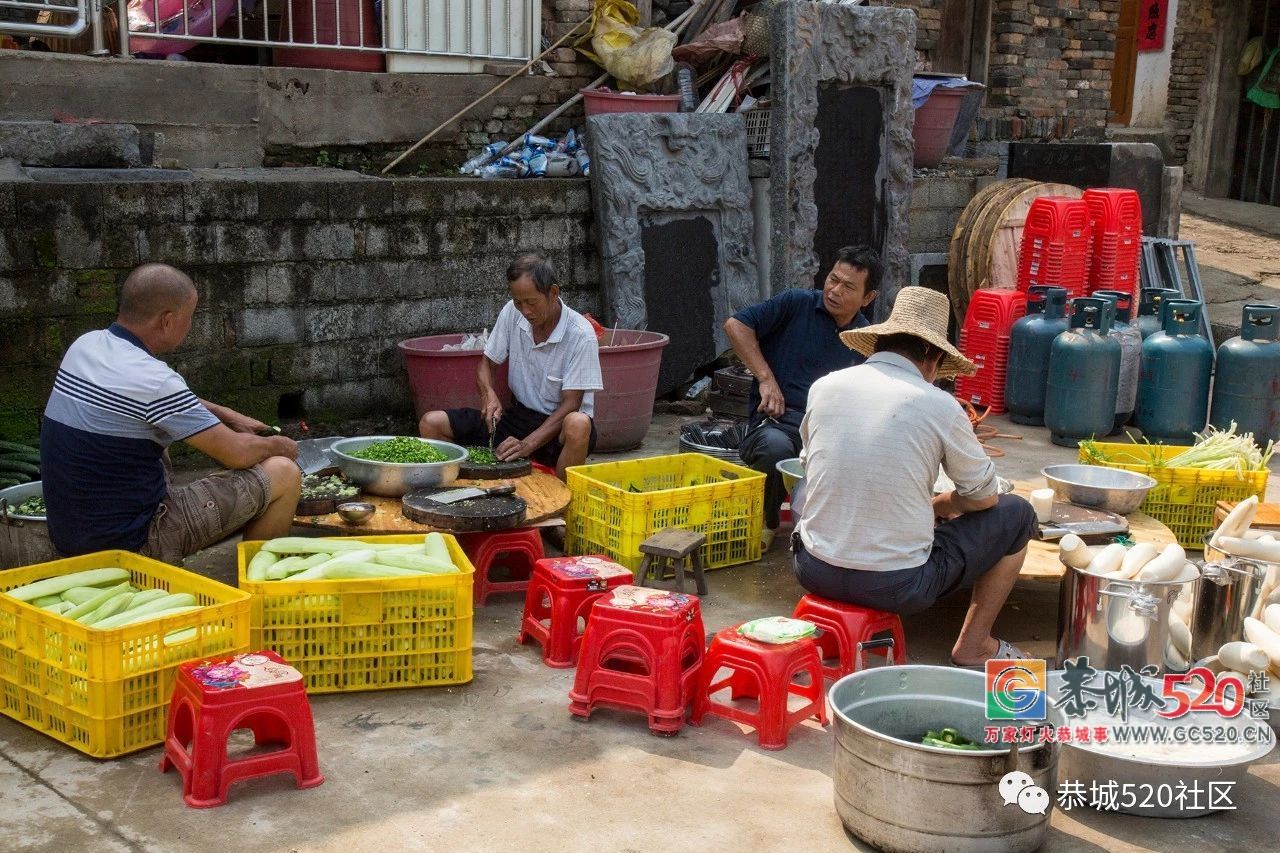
(306,285)
(928,26)
(1193,51)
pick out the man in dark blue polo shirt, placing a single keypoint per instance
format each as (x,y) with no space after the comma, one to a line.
(787,342)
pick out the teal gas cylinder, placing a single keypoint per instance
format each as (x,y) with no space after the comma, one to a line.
(1030,340)
(1173,389)
(1130,353)
(1084,374)
(1149,301)
(1246,386)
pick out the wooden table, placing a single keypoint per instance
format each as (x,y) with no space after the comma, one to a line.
(546,496)
(1042,563)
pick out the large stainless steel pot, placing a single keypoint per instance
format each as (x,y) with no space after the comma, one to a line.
(898,795)
(1229,590)
(1117,622)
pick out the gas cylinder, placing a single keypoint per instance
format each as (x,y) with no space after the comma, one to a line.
(1130,353)
(1149,302)
(1246,386)
(1173,388)
(1030,340)
(1084,373)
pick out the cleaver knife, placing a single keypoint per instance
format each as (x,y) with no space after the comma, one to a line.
(467,493)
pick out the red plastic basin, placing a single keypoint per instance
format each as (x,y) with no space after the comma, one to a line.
(445,379)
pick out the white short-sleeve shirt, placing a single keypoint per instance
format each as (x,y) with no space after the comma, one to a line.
(568,360)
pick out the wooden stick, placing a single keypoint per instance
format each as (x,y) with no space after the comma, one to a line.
(451,119)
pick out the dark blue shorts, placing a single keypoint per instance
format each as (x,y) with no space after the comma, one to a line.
(518,420)
(964,549)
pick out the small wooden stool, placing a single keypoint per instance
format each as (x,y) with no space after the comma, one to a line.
(671,548)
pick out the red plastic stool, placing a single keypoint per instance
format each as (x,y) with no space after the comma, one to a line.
(560,594)
(765,672)
(844,627)
(641,652)
(518,549)
(211,699)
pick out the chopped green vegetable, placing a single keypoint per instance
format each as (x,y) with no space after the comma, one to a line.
(31,506)
(317,488)
(948,738)
(482,456)
(402,450)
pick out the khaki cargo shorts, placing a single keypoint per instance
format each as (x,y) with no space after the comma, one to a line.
(205,512)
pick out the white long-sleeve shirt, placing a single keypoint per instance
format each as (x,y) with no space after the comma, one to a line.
(874,436)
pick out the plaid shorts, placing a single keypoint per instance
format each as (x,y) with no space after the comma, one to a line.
(205,512)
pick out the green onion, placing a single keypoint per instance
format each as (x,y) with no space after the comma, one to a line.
(402,450)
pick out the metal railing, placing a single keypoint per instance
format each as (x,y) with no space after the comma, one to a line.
(24,18)
(501,30)
(474,30)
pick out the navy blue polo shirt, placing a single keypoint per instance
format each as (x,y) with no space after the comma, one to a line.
(800,341)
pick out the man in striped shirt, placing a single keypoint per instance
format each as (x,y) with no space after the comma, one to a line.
(114,410)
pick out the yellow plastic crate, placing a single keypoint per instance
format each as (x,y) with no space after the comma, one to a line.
(1183,499)
(106,692)
(367,634)
(617,505)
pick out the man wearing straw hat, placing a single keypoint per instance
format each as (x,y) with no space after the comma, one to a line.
(874,534)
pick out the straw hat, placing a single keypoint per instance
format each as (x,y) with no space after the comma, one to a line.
(921,312)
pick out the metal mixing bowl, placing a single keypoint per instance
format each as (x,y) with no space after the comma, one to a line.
(355,512)
(792,472)
(1108,489)
(396,479)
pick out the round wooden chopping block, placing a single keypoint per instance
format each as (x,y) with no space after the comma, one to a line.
(1004,244)
(975,264)
(495,471)
(478,514)
(956,284)
(320,506)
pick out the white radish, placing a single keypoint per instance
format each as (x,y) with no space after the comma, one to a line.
(1074,552)
(1237,521)
(1243,657)
(1258,534)
(1257,549)
(1137,557)
(1165,567)
(1182,607)
(1260,635)
(1271,617)
(1180,635)
(1108,561)
(1174,657)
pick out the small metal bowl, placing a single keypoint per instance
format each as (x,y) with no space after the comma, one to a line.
(792,472)
(1108,489)
(355,512)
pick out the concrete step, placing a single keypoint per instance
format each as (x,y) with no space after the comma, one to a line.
(89,146)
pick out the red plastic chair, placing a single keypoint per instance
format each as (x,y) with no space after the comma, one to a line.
(560,595)
(641,652)
(211,699)
(844,627)
(515,550)
(765,672)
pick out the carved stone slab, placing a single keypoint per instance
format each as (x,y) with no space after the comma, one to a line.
(818,45)
(649,169)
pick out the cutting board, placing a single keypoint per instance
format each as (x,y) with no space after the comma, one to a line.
(1082,521)
(477,514)
(495,471)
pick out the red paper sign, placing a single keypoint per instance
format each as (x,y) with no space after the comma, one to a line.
(1152,15)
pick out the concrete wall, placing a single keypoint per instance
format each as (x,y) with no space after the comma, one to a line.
(1151,78)
(306,284)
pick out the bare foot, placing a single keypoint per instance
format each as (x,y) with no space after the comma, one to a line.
(967,656)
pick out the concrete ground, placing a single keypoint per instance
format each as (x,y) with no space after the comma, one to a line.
(1238,251)
(498,764)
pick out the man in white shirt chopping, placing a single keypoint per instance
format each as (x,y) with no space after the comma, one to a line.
(876,536)
(554,370)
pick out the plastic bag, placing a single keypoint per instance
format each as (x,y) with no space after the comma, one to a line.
(715,41)
(777,629)
(636,57)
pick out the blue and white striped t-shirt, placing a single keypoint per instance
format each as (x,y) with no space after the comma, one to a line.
(114,409)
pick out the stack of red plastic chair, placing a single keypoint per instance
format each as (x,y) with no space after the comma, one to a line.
(1055,245)
(1115,217)
(984,340)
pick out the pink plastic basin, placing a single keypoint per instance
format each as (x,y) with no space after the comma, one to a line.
(629,367)
(595,102)
(934,122)
(442,379)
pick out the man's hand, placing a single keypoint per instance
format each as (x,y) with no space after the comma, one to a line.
(282,445)
(244,423)
(943,507)
(492,412)
(513,448)
(772,403)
